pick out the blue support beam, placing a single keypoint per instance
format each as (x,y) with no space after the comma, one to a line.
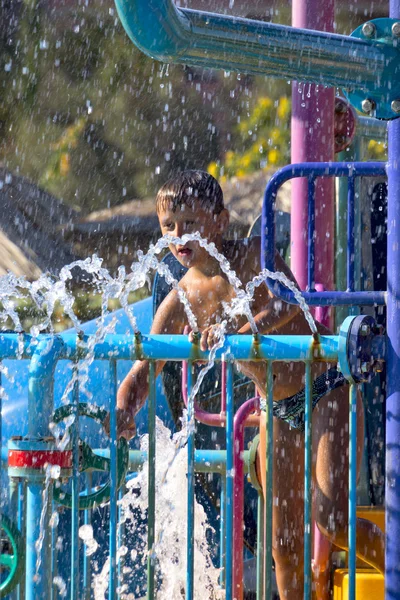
(392,480)
(178,35)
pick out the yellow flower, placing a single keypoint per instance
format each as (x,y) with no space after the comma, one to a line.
(276,135)
(229,158)
(273,156)
(265,103)
(246,161)
(64,164)
(213,169)
(283,108)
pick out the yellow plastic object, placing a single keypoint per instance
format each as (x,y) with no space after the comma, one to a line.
(369,585)
(376,514)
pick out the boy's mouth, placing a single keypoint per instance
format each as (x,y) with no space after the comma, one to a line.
(184,251)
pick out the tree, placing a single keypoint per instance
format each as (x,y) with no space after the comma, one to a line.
(262,138)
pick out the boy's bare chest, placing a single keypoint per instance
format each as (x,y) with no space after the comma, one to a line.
(208,298)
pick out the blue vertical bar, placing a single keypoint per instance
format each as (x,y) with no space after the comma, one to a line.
(392,486)
(229,480)
(36,589)
(269,480)
(222,532)
(120,539)
(21,526)
(75,490)
(87,519)
(53,562)
(151,484)
(260,548)
(352,489)
(350,234)
(13,506)
(112,589)
(307,482)
(267,230)
(190,491)
(311,234)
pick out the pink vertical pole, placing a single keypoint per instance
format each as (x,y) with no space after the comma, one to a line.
(313,140)
(243,412)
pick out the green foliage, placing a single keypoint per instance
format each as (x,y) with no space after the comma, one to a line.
(90,117)
(264,135)
(376,150)
(96,122)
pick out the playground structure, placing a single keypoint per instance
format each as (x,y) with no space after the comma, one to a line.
(192,37)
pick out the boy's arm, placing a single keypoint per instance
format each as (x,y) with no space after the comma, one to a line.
(133,391)
(276,313)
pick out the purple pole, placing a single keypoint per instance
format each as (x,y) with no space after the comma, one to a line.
(392,491)
(313,140)
(242,415)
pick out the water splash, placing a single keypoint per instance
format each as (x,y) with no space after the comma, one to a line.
(171,512)
(52,472)
(61,586)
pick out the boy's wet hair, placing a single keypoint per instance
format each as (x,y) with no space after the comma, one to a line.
(189,187)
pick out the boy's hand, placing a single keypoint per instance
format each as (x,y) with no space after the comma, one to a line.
(126,426)
(209,337)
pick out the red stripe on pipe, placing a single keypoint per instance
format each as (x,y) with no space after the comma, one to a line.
(38,459)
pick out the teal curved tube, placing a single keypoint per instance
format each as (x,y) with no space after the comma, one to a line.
(177,35)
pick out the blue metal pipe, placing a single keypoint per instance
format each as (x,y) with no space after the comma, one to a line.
(151,469)
(314,170)
(74,590)
(392,485)
(307,482)
(190,490)
(222,532)
(37,588)
(180,35)
(229,481)
(40,409)
(41,384)
(352,489)
(10,345)
(157,347)
(350,234)
(112,590)
(178,347)
(205,461)
(269,480)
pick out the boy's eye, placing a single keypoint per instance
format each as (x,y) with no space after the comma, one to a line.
(189,224)
(168,226)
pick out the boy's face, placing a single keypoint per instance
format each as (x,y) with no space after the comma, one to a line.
(189,219)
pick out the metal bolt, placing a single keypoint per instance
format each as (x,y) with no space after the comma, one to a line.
(396,29)
(365,367)
(368,105)
(340,108)
(395,106)
(368,29)
(340,139)
(365,329)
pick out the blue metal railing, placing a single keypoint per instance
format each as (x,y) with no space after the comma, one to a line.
(121,347)
(313,171)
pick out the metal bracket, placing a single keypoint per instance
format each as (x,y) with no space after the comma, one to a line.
(362,348)
(382,101)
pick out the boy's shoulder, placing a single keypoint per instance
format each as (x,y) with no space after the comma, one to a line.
(245,249)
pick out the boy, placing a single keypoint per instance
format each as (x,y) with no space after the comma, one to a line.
(193,201)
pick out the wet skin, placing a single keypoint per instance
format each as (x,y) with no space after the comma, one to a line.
(207,288)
